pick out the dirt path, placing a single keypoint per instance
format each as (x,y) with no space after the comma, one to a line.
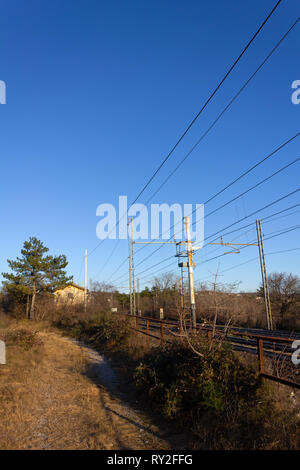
(69,399)
(128,428)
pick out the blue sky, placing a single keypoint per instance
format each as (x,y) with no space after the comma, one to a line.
(98,93)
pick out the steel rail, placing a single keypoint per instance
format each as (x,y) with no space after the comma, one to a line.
(260,347)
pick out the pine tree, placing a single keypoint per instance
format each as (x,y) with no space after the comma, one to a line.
(35,272)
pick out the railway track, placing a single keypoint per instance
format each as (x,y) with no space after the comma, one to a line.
(260,342)
(245,341)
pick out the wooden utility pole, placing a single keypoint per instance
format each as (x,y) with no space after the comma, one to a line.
(264,275)
(85,279)
(190,270)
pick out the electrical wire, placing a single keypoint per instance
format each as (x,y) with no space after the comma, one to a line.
(222,113)
(198,114)
(238,221)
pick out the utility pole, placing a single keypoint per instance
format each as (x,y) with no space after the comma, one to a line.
(178,254)
(85,279)
(138,297)
(130,264)
(131,267)
(264,275)
(133,279)
(181,292)
(190,270)
(262,267)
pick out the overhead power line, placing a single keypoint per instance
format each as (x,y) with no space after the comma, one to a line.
(255,212)
(234,223)
(208,100)
(242,175)
(238,196)
(255,258)
(215,257)
(251,168)
(208,130)
(254,186)
(231,200)
(263,219)
(266,220)
(297,227)
(222,113)
(199,113)
(237,265)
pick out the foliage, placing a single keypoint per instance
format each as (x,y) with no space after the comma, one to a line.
(34,272)
(24,338)
(218,398)
(103,330)
(216,391)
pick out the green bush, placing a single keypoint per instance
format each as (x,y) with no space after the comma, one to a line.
(215,392)
(109,331)
(216,396)
(101,330)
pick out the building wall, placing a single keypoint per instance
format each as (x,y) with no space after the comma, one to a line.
(70,294)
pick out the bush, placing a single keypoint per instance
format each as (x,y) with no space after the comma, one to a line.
(217,397)
(101,330)
(109,331)
(26,339)
(216,393)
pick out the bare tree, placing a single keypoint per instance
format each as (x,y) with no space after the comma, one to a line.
(165,292)
(101,294)
(96,286)
(220,297)
(284,292)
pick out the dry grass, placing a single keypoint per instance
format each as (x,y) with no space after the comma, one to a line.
(47,401)
(51,398)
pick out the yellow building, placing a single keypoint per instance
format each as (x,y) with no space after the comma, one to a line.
(71,294)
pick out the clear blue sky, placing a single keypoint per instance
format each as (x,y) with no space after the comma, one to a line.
(99,91)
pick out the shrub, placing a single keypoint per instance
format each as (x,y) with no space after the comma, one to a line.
(216,392)
(108,331)
(26,339)
(101,330)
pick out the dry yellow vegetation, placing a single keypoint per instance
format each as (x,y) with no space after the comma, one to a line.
(51,398)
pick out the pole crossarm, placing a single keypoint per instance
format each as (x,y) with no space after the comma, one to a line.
(233,245)
(146,243)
